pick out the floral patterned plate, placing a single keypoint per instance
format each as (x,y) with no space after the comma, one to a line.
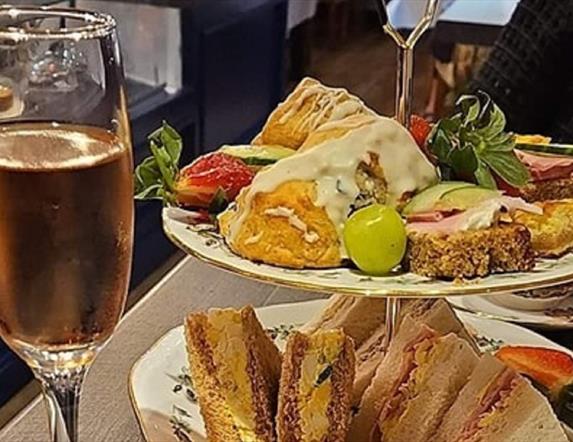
(558,317)
(162,393)
(205,243)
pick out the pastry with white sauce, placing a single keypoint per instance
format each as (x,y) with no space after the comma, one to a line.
(293,213)
(310,105)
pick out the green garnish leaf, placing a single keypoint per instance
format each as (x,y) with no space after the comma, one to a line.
(155,176)
(472,145)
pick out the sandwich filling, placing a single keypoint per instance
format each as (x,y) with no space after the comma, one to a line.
(230,355)
(315,386)
(492,400)
(546,167)
(484,215)
(418,358)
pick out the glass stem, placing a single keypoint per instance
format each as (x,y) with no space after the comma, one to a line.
(62,392)
(393,306)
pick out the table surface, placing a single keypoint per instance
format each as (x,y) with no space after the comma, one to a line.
(106,413)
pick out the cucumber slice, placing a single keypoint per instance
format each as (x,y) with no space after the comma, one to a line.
(258,155)
(426,200)
(549,149)
(465,198)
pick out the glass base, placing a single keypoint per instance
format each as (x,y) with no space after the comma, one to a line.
(50,359)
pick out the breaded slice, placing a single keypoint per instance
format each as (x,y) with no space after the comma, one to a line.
(236,368)
(547,190)
(316,386)
(552,232)
(470,254)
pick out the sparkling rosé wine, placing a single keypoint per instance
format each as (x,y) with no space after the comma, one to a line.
(66,221)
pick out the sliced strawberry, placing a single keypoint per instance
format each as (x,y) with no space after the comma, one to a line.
(420,129)
(551,368)
(199,182)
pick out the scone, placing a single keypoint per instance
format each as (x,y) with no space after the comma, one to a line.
(309,106)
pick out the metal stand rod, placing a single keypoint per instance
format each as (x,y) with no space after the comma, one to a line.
(393,306)
(405,69)
(404,97)
(404,85)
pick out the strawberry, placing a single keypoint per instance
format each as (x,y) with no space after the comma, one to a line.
(551,368)
(420,129)
(200,182)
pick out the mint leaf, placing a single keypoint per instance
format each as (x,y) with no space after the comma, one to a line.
(484,177)
(507,165)
(156,175)
(473,144)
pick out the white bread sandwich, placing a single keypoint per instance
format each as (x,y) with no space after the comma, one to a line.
(414,386)
(315,387)
(498,405)
(358,316)
(236,369)
(435,313)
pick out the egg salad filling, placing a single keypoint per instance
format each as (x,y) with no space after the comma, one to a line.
(230,355)
(315,385)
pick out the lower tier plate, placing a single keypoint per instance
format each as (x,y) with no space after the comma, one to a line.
(161,388)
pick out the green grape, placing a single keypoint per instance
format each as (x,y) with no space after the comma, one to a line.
(375,239)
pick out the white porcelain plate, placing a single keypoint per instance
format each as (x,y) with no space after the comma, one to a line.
(162,393)
(557,317)
(203,242)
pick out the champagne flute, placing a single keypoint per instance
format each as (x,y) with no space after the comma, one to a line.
(66,210)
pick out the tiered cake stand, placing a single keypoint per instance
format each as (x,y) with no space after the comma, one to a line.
(204,243)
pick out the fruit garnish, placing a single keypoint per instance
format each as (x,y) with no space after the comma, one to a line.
(551,368)
(375,239)
(420,129)
(212,181)
(473,145)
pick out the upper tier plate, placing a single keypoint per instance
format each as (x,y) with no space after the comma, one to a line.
(205,243)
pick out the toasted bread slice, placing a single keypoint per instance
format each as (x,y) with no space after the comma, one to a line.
(556,189)
(469,254)
(315,388)
(552,232)
(236,369)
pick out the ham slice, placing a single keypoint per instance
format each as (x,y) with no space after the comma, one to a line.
(491,402)
(546,167)
(482,216)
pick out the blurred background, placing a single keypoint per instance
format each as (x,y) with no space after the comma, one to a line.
(214,69)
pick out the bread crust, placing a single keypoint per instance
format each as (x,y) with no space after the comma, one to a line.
(263,370)
(547,190)
(469,254)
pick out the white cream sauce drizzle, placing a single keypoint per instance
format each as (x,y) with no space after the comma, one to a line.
(332,166)
(327,104)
